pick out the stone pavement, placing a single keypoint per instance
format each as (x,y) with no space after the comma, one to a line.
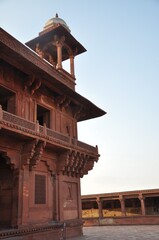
(120,233)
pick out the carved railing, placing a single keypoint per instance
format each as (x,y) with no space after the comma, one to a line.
(13,119)
(33,128)
(57,135)
(87,146)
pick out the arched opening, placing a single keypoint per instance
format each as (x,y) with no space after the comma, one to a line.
(152,205)
(132,207)
(6,196)
(90,209)
(111,208)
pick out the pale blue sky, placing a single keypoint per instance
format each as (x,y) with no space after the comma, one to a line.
(119,73)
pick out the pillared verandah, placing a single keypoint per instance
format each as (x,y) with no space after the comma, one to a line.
(41,158)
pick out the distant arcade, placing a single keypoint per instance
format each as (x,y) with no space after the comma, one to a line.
(121,208)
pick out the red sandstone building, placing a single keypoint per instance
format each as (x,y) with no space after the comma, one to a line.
(133,207)
(41,158)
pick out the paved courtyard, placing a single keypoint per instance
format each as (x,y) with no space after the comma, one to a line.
(120,233)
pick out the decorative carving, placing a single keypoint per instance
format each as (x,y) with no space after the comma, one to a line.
(59,100)
(10,160)
(69,192)
(66,102)
(29,81)
(78,112)
(75,163)
(37,155)
(39,51)
(47,53)
(51,60)
(58,41)
(62,101)
(28,152)
(69,50)
(32,153)
(36,84)
(32,83)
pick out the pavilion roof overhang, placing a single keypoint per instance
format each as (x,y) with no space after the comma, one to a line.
(60,31)
(27,61)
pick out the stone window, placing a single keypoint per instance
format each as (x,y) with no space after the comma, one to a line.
(43,116)
(7,100)
(40,189)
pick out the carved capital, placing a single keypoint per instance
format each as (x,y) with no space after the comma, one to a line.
(141,197)
(58,41)
(121,198)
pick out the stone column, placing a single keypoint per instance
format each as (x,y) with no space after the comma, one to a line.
(72,70)
(99,202)
(25,195)
(59,55)
(1,113)
(143,211)
(55,199)
(16,207)
(122,203)
(20,199)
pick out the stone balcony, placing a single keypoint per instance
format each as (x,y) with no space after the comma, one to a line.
(23,127)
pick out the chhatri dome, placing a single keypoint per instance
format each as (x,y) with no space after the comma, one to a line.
(54,22)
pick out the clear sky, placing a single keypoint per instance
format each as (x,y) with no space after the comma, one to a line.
(119,73)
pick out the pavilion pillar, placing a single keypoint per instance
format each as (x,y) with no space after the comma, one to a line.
(122,203)
(100,209)
(72,69)
(59,55)
(142,201)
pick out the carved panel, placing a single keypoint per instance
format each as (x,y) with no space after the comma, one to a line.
(70,200)
(40,189)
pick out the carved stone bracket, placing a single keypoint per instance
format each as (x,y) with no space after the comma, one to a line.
(10,160)
(28,152)
(78,112)
(62,101)
(32,84)
(74,163)
(37,155)
(58,40)
(46,52)
(32,153)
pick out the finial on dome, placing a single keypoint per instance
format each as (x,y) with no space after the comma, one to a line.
(55,22)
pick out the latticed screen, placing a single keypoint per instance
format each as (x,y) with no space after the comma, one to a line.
(40,189)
